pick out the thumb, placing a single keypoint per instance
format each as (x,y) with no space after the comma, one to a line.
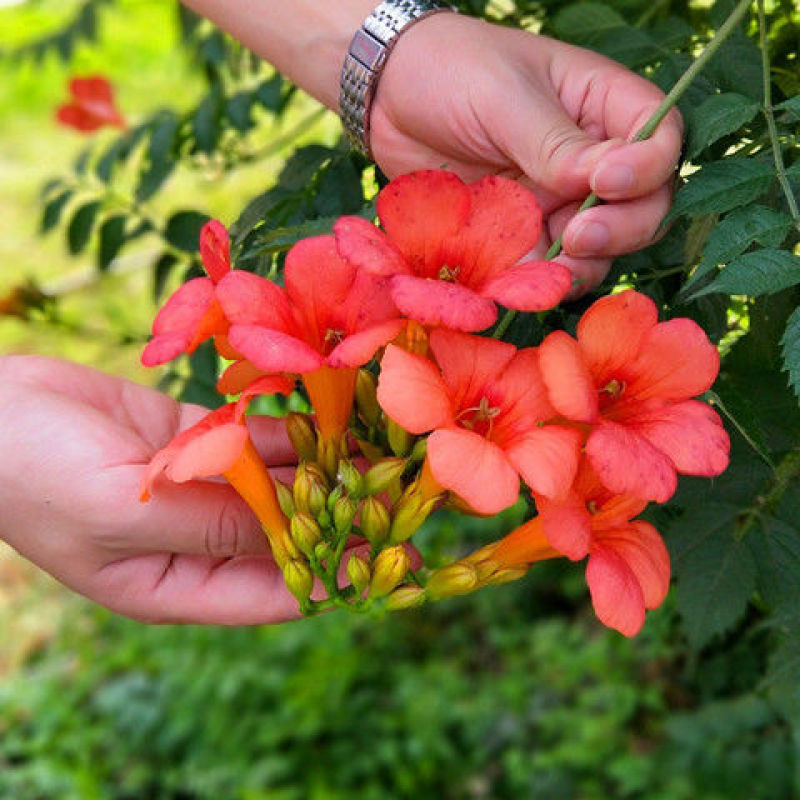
(554,152)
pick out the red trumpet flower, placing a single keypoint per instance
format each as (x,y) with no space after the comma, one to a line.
(91,107)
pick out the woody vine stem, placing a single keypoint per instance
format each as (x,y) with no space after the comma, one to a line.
(649,128)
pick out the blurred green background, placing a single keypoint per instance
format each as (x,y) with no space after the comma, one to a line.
(514,692)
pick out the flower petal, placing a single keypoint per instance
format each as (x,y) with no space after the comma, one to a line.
(367,303)
(238,376)
(504,223)
(531,286)
(367,247)
(215,249)
(610,333)
(419,211)
(474,468)
(165,347)
(267,384)
(185,307)
(523,546)
(569,382)
(547,458)
(412,393)
(209,454)
(616,594)
(249,299)
(92,88)
(567,525)
(690,433)
(359,348)
(627,463)
(676,361)
(642,548)
(468,363)
(435,302)
(274,351)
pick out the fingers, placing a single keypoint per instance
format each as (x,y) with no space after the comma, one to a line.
(617,228)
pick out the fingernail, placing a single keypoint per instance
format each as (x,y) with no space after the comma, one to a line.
(592,238)
(612,179)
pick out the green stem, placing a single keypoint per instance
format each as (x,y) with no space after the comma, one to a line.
(777,155)
(649,128)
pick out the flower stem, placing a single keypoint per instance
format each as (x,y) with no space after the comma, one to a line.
(780,167)
(649,128)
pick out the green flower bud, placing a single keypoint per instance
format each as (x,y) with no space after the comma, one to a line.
(409,512)
(317,497)
(367,398)
(305,532)
(344,513)
(380,476)
(302,436)
(457,578)
(405,597)
(298,579)
(322,551)
(306,478)
(400,440)
(420,450)
(374,520)
(349,476)
(335,494)
(358,573)
(389,569)
(285,499)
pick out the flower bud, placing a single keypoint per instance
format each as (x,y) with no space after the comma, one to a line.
(457,578)
(302,436)
(379,477)
(349,476)
(317,497)
(298,579)
(344,513)
(329,451)
(358,573)
(305,532)
(405,597)
(389,569)
(505,576)
(367,397)
(322,551)
(374,520)
(285,499)
(400,440)
(324,518)
(306,478)
(409,512)
(334,495)
(420,450)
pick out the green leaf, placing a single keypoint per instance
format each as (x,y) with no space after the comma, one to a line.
(723,185)
(80,227)
(736,67)
(104,166)
(791,350)
(269,93)
(240,111)
(112,237)
(53,209)
(736,232)
(183,230)
(775,546)
(205,123)
(718,116)
(756,273)
(791,106)
(581,21)
(161,272)
(338,190)
(277,240)
(302,165)
(716,574)
(160,162)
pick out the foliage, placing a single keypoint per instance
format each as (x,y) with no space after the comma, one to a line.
(729,260)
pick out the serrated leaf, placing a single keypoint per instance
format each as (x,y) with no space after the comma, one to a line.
(276,240)
(736,67)
(736,232)
(756,273)
(776,549)
(580,21)
(790,344)
(53,209)
(302,165)
(112,237)
(183,230)
(338,190)
(716,117)
(723,185)
(791,106)
(255,211)
(80,227)
(716,573)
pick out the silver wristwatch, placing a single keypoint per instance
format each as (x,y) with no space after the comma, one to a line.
(366,58)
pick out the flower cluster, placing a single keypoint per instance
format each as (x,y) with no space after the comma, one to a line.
(596,426)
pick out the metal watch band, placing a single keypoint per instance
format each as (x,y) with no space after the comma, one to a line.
(366,59)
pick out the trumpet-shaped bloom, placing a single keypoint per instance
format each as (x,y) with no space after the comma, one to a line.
(628,569)
(485,403)
(329,320)
(192,314)
(91,105)
(630,380)
(452,250)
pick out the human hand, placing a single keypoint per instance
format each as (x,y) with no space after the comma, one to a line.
(75,443)
(480,98)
